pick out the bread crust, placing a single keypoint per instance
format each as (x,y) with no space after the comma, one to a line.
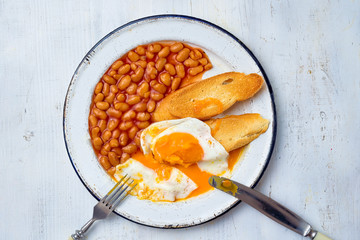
(209,97)
(235,131)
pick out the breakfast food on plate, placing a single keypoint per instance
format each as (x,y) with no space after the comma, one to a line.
(208,97)
(184,142)
(128,93)
(172,159)
(235,131)
(155,187)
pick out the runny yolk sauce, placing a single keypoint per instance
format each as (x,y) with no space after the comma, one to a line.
(178,148)
(193,171)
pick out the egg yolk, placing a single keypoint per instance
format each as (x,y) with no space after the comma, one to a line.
(178,148)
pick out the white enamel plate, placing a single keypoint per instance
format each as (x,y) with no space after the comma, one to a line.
(226,53)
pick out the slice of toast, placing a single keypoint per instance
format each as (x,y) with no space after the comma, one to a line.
(209,97)
(236,131)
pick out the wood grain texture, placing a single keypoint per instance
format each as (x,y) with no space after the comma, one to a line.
(310,51)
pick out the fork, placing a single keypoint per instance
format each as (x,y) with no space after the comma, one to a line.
(106,205)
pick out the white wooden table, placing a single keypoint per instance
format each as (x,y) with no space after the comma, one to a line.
(310,51)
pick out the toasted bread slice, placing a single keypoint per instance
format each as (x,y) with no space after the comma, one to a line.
(209,97)
(236,131)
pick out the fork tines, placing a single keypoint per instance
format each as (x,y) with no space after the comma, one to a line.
(117,193)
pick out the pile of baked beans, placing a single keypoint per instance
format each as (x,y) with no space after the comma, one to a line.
(127,95)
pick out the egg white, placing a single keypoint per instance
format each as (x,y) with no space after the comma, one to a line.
(215,155)
(150,187)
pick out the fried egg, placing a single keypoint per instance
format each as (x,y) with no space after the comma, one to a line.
(185,142)
(168,185)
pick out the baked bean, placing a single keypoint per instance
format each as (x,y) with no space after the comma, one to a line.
(116,133)
(98,142)
(153,83)
(195,70)
(164,52)
(102,125)
(110,98)
(114,89)
(175,83)
(156,96)
(142,63)
(208,66)
(92,120)
(106,135)
(132,132)
(142,125)
(125,125)
(151,71)
(151,106)
(113,158)
(143,116)
(99,97)
(150,55)
(133,99)
(104,161)
(165,79)
(106,89)
(147,95)
(111,171)
(112,124)
(116,65)
(122,106)
(133,56)
(124,157)
(131,89)
(176,47)
(106,147)
(183,55)
(160,88)
(112,73)
(195,54)
(102,105)
(180,70)
(124,82)
(121,97)
(117,150)
(191,63)
(123,139)
(114,113)
(154,48)
(143,88)
(133,66)
(140,107)
(103,152)
(137,138)
(129,115)
(117,76)
(98,88)
(203,61)
(170,69)
(137,76)
(95,132)
(99,113)
(124,69)
(140,50)
(114,143)
(160,63)
(131,148)
(109,79)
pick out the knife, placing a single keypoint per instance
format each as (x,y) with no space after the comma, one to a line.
(267,206)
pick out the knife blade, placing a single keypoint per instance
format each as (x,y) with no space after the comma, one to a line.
(267,206)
